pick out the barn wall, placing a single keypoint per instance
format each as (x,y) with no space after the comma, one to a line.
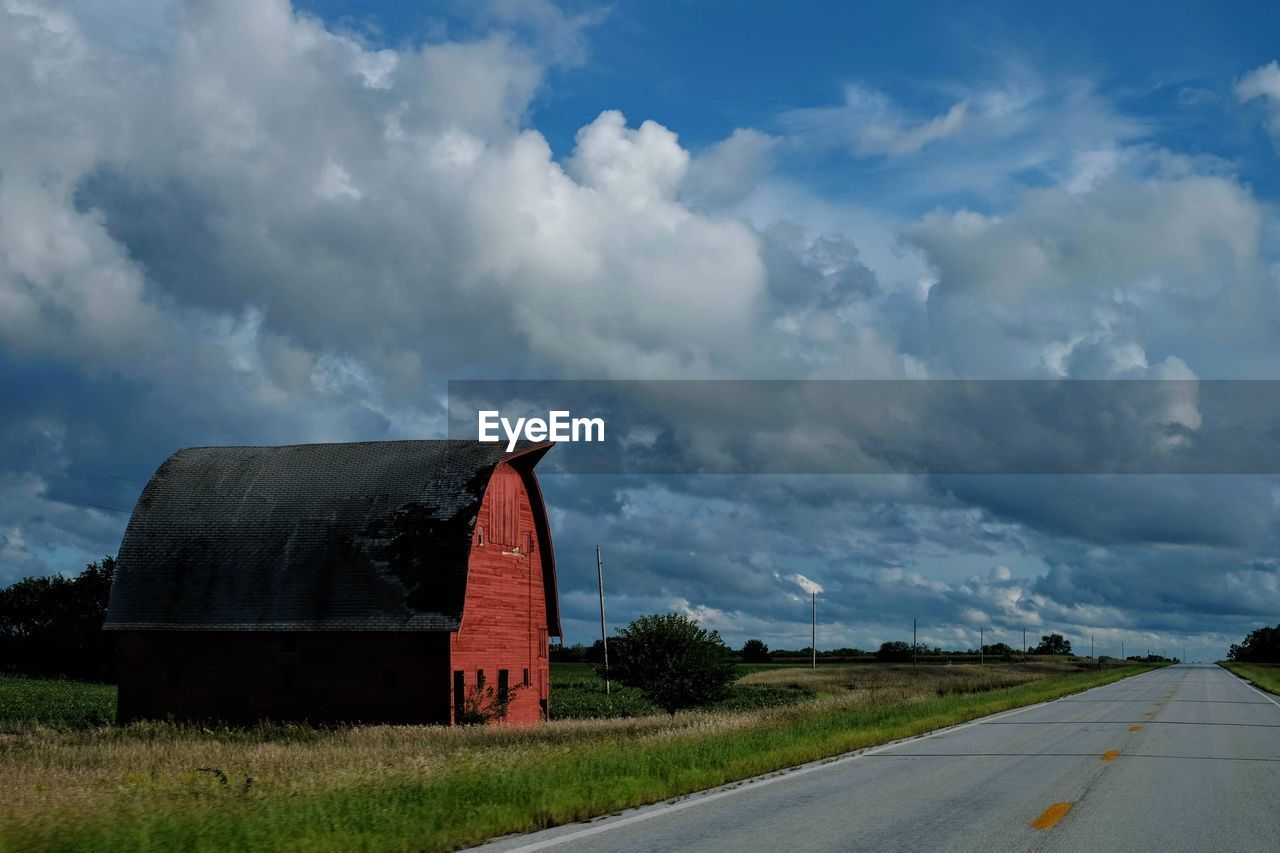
(242,676)
(504,621)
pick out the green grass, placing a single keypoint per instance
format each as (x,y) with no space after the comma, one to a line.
(387,788)
(56,703)
(1265,676)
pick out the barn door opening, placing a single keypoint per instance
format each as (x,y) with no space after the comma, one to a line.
(459,695)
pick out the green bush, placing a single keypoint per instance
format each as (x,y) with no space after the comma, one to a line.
(673,661)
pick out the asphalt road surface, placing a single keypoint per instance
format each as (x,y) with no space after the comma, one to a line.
(1182,758)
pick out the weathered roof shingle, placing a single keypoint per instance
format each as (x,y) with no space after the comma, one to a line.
(320,537)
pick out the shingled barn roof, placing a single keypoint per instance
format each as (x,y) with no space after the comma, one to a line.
(369,536)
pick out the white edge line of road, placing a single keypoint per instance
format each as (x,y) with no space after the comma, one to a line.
(1249,684)
(644,813)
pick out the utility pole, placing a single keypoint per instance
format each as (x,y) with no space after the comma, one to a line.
(604,637)
(914,663)
(981,643)
(813,635)
(1091,647)
(1184,651)
(1122,657)
(1024,640)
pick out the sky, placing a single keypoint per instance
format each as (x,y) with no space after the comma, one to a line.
(250,222)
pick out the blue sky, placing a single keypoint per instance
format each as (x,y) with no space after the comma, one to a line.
(707,68)
(250,222)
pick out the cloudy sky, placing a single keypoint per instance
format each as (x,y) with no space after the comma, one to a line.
(245,222)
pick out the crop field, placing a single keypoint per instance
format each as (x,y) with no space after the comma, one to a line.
(74,782)
(579,694)
(57,704)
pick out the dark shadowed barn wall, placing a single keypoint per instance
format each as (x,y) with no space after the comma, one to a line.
(315,676)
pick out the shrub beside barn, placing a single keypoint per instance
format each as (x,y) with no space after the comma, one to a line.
(406,581)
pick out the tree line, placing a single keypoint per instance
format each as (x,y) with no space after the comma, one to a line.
(892,651)
(1261,645)
(52,626)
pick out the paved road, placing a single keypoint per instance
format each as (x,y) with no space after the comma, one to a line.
(1183,758)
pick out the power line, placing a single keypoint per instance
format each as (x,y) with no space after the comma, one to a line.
(62,500)
(71,468)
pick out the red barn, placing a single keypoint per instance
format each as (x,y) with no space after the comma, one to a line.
(400,581)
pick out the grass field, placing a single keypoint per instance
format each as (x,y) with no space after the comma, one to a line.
(161,787)
(1265,676)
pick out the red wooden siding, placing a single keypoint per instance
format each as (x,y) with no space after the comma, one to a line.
(504,620)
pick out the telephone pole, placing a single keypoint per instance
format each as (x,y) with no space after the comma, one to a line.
(981,643)
(813,631)
(914,663)
(604,637)
(1024,640)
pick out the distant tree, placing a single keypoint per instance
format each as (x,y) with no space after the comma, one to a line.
(1003,650)
(1262,645)
(1053,644)
(672,660)
(894,650)
(755,651)
(53,625)
(568,654)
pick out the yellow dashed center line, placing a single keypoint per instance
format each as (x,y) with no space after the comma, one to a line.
(1149,714)
(1110,755)
(1051,816)
(1136,729)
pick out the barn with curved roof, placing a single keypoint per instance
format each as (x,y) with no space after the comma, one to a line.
(409,581)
